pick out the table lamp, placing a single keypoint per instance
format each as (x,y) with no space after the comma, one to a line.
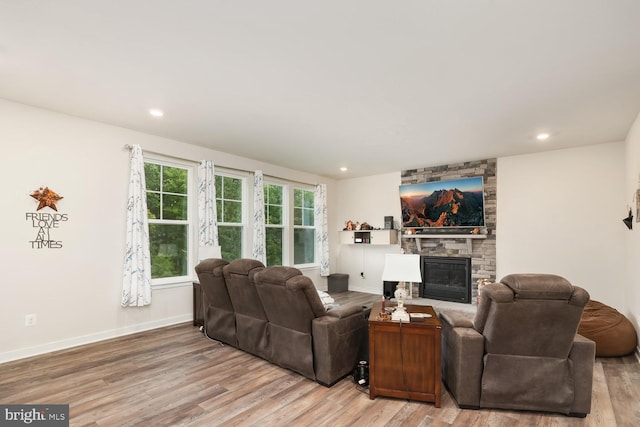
(401,268)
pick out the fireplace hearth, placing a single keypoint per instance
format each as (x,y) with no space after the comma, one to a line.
(446,278)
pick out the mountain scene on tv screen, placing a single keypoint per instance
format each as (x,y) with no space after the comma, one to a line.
(443,208)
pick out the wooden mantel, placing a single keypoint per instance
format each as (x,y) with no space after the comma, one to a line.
(468,237)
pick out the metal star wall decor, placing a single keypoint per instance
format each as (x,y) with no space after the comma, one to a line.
(46,197)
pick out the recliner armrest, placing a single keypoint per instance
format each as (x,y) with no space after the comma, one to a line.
(582,355)
(462,359)
(345,310)
(457,319)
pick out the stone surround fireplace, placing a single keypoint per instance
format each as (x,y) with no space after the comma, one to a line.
(481,252)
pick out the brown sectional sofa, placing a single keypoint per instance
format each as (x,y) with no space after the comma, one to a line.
(276,313)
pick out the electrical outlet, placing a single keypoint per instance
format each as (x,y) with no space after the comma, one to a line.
(30,320)
(362,274)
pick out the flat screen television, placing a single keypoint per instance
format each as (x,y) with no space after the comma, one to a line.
(457,203)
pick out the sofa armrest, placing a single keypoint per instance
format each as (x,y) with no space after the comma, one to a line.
(337,342)
(345,310)
(462,360)
(582,356)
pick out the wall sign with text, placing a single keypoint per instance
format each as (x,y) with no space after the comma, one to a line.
(44,222)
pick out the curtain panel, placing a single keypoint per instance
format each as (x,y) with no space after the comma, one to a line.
(259,239)
(136,281)
(322,229)
(207,213)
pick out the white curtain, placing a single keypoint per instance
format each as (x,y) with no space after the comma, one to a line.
(136,281)
(259,239)
(322,229)
(207,213)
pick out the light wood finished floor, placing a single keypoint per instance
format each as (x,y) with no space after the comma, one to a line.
(174,376)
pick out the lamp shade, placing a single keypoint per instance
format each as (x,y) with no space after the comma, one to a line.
(401,268)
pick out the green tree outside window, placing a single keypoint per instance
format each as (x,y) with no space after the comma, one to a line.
(274,223)
(168,214)
(229,212)
(303,227)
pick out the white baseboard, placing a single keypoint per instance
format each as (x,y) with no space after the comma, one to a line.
(91,338)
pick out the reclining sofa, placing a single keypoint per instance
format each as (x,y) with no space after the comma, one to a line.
(276,313)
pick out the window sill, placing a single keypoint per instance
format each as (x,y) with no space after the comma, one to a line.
(178,283)
(304,267)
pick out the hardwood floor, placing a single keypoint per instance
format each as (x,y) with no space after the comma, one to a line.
(175,376)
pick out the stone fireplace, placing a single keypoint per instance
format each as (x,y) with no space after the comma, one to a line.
(446,278)
(480,252)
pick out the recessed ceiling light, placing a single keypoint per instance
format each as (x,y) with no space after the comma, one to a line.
(542,136)
(155,112)
(343,169)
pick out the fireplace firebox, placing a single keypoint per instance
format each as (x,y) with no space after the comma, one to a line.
(446,278)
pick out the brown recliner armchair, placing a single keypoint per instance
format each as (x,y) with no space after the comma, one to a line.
(304,337)
(251,321)
(521,351)
(219,319)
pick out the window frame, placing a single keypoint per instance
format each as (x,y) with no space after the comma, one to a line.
(286,222)
(191,222)
(246,232)
(315,262)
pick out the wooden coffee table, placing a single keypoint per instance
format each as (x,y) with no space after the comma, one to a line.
(404,358)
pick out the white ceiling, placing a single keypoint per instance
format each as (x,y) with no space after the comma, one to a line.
(376,86)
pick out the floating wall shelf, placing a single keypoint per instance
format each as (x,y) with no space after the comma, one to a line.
(369,237)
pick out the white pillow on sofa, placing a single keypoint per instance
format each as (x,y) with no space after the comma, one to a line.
(327,300)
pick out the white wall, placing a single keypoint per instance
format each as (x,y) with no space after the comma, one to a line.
(560,212)
(75,290)
(632,184)
(368,200)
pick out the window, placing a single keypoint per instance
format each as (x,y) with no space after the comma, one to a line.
(169,220)
(274,211)
(229,205)
(304,233)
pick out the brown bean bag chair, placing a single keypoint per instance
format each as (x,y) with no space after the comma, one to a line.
(612,332)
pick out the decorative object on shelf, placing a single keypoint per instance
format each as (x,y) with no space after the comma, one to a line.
(46,198)
(350,225)
(401,268)
(388,222)
(628,221)
(365,226)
